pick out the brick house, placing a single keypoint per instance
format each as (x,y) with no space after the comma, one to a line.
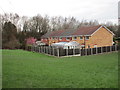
(90,36)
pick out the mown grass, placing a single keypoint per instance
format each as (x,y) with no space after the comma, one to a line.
(23,69)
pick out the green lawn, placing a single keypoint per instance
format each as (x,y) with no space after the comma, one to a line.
(23,69)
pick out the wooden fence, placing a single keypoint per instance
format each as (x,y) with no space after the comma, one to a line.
(67,52)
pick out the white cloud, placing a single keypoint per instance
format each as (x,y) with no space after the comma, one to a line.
(81,9)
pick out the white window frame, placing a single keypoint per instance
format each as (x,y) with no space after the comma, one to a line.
(67,38)
(80,38)
(60,38)
(52,38)
(74,38)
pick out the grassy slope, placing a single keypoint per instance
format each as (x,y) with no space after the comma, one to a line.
(26,69)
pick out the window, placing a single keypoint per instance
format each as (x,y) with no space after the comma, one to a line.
(53,38)
(74,38)
(87,37)
(81,38)
(67,38)
(60,38)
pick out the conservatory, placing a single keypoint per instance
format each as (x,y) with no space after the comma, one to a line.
(66,45)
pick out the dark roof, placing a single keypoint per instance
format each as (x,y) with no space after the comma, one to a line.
(57,33)
(86,30)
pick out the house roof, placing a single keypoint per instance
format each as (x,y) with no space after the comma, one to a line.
(86,30)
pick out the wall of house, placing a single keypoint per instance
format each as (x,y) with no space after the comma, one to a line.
(78,40)
(101,38)
(51,40)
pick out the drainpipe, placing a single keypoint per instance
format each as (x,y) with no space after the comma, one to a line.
(84,41)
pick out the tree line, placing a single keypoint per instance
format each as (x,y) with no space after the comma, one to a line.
(15,29)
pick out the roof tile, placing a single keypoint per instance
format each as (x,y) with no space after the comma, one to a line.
(69,32)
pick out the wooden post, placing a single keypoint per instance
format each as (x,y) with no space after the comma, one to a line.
(53,51)
(80,51)
(58,52)
(110,49)
(101,50)
(91,51)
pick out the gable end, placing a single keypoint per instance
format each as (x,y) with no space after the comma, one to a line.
(105,28)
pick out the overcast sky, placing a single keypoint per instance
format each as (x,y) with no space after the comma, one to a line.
(101,10)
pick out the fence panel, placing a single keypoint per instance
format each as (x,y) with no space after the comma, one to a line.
(88,51)
(71,51)
(51,51)
(118,47)
(82,52)
(55,52)
(113,48)
(37,49)
(62,52)
(108,48)
(103,49)
(94,50)
(45,49)
(99,50)
(77,51)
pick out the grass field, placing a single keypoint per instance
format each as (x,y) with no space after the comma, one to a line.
(23,69)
